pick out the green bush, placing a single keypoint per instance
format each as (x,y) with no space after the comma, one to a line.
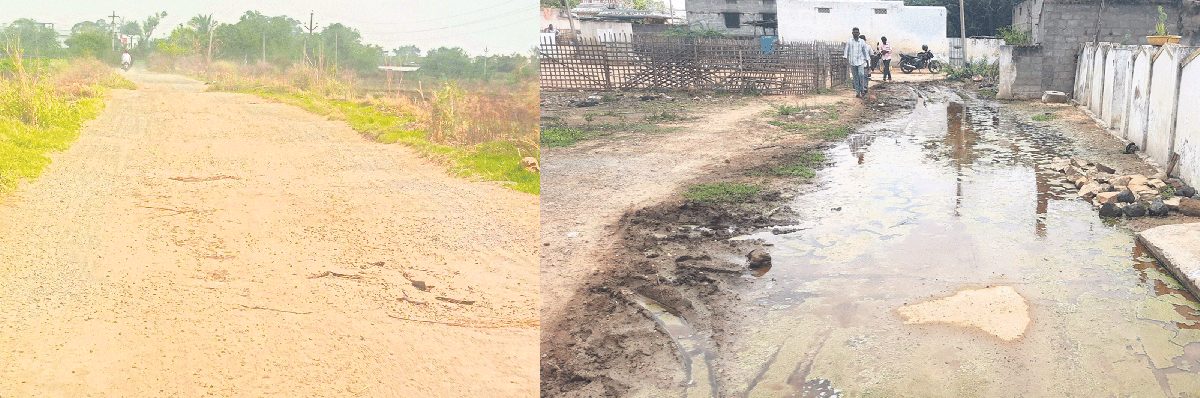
(971,69)
(1013,35)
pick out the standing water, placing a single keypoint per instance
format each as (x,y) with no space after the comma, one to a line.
(944,259)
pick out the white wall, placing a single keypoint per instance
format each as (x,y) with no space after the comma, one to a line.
(1146,94)
(1164,81)
(1139,102)
(1083,73)
(985,49)
(1187,122)
(603,30)
(1117,77)
(907,28)
(1096,79)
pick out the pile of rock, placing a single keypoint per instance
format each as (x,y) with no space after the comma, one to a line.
(1133,195)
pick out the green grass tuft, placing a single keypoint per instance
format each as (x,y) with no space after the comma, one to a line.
(1045,117)
(803,166)
(722,192)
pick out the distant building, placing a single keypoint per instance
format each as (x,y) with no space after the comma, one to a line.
(602,21)
(735,17)
(906,27)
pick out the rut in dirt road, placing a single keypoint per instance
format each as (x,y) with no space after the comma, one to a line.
(194,243)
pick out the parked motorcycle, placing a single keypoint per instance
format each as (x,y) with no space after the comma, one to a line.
(923,60)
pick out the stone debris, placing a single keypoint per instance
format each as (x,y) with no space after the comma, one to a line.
(1054,97)
(1132,195)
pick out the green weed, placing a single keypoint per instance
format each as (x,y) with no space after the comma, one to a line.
(803,166)
(1044,117)
(560,137)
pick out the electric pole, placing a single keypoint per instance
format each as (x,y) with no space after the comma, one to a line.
(113,26)
(311,27)
(264,58)
(962,29)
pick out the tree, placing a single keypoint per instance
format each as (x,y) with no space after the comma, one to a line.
(983,17)
(90,39)
(148,27)
(36,38)
(205,26)
(406,54)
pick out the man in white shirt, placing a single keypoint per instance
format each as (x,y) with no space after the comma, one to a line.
(859,55)
(126,58)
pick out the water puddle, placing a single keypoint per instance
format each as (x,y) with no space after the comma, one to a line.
(692,347)
(949,223)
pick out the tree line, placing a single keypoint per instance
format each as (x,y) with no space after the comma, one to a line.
(278,40)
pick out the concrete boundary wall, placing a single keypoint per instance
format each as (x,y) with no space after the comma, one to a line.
(1139,98)
(1146,95)
(1164,87)
(1187,121)
(1096,78)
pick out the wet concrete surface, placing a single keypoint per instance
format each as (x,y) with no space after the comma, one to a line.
(917,210)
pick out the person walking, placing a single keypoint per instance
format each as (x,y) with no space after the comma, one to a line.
(885,56)
(858,55)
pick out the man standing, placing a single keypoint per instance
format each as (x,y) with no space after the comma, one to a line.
(885,52)
(859,56)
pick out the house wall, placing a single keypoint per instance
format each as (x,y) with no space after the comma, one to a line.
(906,27)
(1061,27)
(1116,79)
(1187,121)
(708,13)
(556,17)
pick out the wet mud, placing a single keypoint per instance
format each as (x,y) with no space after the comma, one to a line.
(936,255)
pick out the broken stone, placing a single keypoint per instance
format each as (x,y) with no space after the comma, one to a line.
(1186,192)
(1148,196)
(1054,97)
(1189,207)
(1158,208)
(1172,203)
(1089,190)
(1080,163)
(1126,196)
(1102,177)
(1156,183)
(1121,181)
(1104,169)
(1081,181)
(1110,210)
(1107,197)
(1138,179)
(758,259)
(1135,210)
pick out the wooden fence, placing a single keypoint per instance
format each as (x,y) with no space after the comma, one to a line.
(648,62)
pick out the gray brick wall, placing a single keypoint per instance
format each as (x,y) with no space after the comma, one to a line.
(708,13)
(1066,26)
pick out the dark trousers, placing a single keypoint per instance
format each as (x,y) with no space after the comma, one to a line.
(887,69)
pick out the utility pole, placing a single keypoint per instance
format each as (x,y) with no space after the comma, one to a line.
(335,50)
(113,26)
(311,27)
(264,58)
(962,29)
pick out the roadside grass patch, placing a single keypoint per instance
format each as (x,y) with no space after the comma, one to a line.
(43,108)
(490,161)
(787,110)
(804,165)
(836,133)
(560,137)
(987,94)
(1045,117)
(722,192)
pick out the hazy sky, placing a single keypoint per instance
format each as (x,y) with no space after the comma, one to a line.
(500,26)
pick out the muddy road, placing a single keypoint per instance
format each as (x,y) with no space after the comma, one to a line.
(217,244)
(935,255)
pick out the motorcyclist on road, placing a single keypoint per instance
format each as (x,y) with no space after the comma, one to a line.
(126,59)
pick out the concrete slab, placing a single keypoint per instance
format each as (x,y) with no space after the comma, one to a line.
(1177,247)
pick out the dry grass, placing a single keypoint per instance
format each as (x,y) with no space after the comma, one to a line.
(42,106)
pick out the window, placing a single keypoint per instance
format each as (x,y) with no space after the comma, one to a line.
(881,11)
(733,20)
(768,16)
(822,10)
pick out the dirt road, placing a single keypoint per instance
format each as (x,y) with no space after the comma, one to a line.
(217,244)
